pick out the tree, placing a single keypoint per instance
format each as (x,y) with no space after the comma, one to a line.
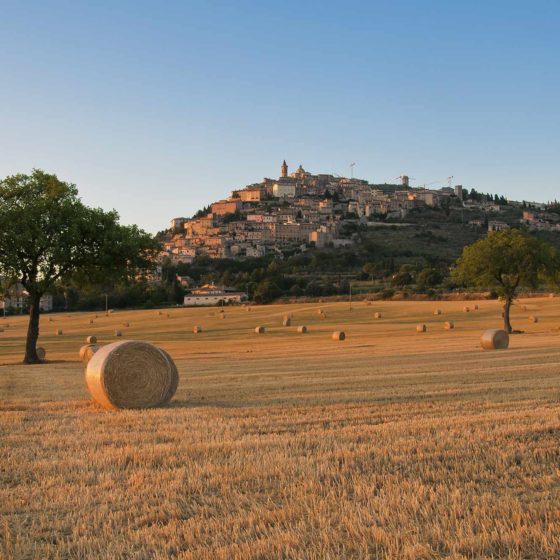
(507,261)
(49,237)
(429,278)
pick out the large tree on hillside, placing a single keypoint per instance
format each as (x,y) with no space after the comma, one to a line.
(48,236)
(507,261)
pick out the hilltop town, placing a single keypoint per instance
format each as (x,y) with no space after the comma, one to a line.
(301,210)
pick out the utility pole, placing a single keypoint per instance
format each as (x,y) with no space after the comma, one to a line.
(352,170)
(350,296)
(106,305)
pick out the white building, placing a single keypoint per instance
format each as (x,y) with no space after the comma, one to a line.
(209,294)
(176,223)
(284,189)
(17,301)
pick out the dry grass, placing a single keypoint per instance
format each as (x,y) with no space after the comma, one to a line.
(387,446)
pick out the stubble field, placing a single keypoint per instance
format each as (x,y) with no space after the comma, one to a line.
(391,444)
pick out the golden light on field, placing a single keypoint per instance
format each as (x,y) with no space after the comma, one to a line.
(390,444)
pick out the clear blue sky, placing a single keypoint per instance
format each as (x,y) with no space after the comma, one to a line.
(157,108)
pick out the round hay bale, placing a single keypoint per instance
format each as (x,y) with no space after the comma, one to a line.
(41,353)
(59,332)
(118,333)
(87,351)
(222,311)
(323,316)
(494,339)
(174,382)
(96,316)
(223,316)
(248,309)
(131,374)
(197,329)
(523,307)
(260,330)
(111,310)
(319,311)
(160,313)
(302,329)
(475,307)
(421,328)
(50,319)
(377,315)
(91,321)
(533,319)
(466,309)
(448,325)
(91,339)
(437,312)
(126,324)
(338,335)
(286,322)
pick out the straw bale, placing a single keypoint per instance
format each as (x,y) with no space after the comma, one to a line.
(421,328)
(302,329)
(494,339)
(86,352)
(131,374)
(448,325)
(260,330)
(338,335)
(91,339)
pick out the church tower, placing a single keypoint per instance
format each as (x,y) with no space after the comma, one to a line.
(284,169)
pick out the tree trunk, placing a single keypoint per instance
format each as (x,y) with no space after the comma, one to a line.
(32,330)
(507,324)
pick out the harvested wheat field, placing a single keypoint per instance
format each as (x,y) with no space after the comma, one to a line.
(389,445)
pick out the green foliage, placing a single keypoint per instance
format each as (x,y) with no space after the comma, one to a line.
(48,236)
(202,212)
(429,278)
(506,261)
(267,291)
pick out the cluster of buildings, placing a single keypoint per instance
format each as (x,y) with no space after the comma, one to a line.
(296,209)
(541,220)
(16,298)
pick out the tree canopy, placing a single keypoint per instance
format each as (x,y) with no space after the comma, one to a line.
(507,261)
(48,236)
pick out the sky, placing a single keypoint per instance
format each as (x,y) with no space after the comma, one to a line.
(157,108)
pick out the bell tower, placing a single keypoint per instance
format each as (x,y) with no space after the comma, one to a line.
(284,169)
